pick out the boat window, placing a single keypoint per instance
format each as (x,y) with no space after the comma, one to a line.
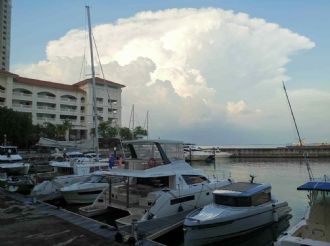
(261,198)
(157,182)
(94,179)
(194,179)
(6,151)
(243,201)
(173,151)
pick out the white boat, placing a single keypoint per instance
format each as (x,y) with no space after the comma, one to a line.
(198,155)
(87,190)
(237,209)
(11,162)
(157,183)
(314,228)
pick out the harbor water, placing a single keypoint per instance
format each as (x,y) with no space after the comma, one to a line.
(285,175)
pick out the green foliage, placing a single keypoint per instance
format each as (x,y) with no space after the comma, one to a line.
(139,131)
(125,133)
(17,126)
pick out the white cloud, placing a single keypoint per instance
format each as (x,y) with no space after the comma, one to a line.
(188,67)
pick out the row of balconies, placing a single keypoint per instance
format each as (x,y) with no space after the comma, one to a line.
(99,101)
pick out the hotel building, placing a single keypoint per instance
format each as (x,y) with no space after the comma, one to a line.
(55,102)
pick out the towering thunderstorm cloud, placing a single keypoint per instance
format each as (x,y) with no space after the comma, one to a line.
(191,68)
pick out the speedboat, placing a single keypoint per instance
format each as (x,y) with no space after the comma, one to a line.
(237,209)
(11,161)
(157,183)
(87,190)
(314,228)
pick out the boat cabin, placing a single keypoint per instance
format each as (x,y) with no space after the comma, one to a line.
(145,154)
(9,154)
(242,194)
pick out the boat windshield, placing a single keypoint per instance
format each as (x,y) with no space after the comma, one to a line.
(242,201)
(8,151)
(145,151)
(96,179)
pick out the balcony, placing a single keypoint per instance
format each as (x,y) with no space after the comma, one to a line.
(46,108)
(2,103)
(46,97)
(22,94)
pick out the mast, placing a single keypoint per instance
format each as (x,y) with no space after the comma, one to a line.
(93,85)
(148,124)
(310,174)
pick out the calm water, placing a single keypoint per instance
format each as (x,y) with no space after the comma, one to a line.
(285,175)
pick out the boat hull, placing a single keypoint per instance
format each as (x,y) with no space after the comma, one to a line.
(214,232)
(15,168)
(82,196)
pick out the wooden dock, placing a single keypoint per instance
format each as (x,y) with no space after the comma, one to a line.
(152,229)
(45,210)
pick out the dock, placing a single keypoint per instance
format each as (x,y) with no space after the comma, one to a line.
(25,221)
(152,229)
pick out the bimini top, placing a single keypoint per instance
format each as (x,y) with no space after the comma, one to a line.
(315,185)
(242,189)
(144,141)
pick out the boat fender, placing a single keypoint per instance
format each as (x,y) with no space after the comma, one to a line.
(180,208)
(152,162)
(275,214)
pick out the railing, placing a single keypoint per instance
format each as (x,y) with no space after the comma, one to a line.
(21,106)
(69,100)
(22,94)
(46,97)
(46,107)
(68,110)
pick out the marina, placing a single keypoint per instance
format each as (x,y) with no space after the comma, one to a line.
(284,175)
(77,169)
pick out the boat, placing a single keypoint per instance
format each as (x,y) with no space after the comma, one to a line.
(314,228)
(157,182)
(87,190)
(237,209)
(11,162)
(194,153)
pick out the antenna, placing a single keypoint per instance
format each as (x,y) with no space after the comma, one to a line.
(310,174)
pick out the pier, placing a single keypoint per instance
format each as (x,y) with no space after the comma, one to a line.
(25,221)
(317,151)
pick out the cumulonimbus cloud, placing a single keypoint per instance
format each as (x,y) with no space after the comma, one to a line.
(186,66)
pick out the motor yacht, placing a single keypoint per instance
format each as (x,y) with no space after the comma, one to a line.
(157,182)
(237,208)
(314,228)
(11,162)
(87,190)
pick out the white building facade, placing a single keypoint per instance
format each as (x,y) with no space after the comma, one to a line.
(56,102)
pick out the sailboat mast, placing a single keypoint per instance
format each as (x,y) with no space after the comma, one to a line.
(310,174)
(93,85)
(148,124)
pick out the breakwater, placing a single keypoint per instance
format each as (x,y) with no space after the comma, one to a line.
(317,151)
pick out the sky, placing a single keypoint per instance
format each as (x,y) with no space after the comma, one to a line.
(208,72)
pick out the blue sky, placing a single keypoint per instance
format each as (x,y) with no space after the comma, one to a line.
(36,23)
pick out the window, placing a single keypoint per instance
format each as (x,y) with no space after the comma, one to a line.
(243,201)
(194,179)
(261,198)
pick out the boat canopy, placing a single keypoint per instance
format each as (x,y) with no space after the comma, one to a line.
(315,185)
(242,189)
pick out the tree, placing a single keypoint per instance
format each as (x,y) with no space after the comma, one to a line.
(125,133)
(103,128)
(112,132)
(139,132)
(17,126)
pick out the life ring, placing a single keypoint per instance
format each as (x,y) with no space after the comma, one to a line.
(151,162)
